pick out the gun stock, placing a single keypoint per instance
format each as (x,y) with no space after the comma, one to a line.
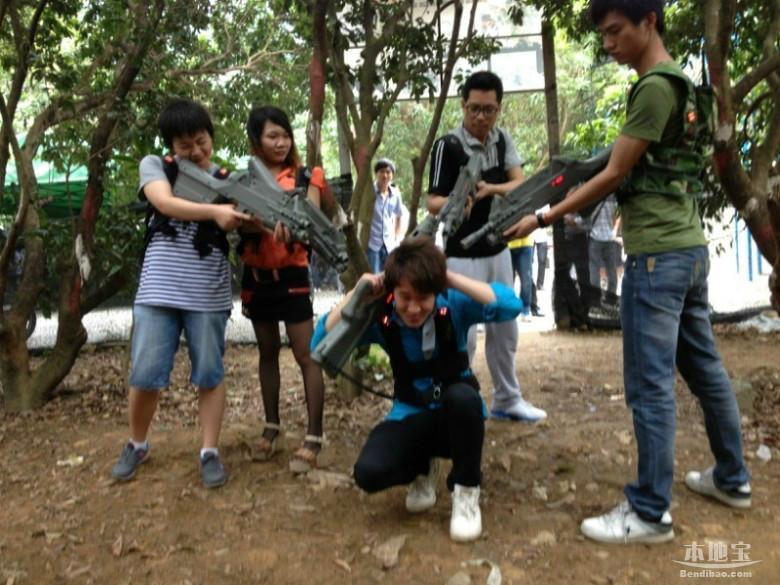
(356,316)
(548,186)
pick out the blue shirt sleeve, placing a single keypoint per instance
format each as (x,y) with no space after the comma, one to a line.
(467,312)
(319,332)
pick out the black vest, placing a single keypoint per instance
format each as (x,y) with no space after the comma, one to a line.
(209,234)
(446,366)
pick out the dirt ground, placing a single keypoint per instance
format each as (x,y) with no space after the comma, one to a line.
(62,520)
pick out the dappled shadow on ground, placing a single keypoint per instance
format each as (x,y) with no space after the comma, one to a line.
(64,521)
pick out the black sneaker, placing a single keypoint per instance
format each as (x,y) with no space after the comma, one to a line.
(212,472)
(128,462)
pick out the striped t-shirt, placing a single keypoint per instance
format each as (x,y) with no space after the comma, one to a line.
(173,273)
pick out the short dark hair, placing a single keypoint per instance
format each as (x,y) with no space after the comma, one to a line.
(254,130)
(420,262)
(634,10)
(183,117)
(384,163)
(484,81)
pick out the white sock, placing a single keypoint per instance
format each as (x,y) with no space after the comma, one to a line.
(143,445)
(208,450)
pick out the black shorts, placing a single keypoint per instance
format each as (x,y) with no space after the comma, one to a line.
(281,295)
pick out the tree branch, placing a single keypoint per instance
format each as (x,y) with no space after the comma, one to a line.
(756,76)
(24,196)
(766,151)
(344,87)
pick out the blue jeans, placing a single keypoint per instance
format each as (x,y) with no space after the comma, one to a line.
(377,259)
(665,319)
(522,264)
(156,332)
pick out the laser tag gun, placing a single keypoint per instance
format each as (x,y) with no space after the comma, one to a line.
(453,213)
(356,316)
(548,186)
(256,192)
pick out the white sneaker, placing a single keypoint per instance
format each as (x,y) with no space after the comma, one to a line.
(703,483)
(422,491)
(466,519)
(622,525)
(522,410)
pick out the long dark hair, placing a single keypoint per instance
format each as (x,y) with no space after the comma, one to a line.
(254,129)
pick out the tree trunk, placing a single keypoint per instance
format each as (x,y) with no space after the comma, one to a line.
(24,390)
(748,193)
(550,88)
(563,287)
(20,388)
(419,160)
(316,85)
(773,204)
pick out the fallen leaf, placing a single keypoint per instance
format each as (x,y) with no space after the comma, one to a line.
(343,564)
(118,546)
(72,461)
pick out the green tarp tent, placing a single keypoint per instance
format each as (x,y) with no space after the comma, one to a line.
(61,193)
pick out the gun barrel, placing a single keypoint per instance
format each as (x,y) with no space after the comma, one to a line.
(476,236)
(547,186)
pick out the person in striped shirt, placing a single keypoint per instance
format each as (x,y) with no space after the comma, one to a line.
(184,286)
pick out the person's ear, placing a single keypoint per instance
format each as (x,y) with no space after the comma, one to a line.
(652,19)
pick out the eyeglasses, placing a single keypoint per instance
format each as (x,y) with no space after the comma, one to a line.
(475,110)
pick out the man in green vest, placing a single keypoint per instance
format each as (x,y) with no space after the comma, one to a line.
(655,165)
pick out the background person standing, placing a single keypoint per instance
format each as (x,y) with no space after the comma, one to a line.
(388,211)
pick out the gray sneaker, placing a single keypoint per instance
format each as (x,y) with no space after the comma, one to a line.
(128,462)
(212,472)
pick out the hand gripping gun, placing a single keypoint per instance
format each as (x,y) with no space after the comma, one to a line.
(256,192)
(453,213)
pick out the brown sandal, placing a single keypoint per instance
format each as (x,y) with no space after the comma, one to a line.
(265,449)
(305,459)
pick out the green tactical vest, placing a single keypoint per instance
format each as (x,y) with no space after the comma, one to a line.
(676,170)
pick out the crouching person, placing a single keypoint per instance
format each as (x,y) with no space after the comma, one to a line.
(437,410)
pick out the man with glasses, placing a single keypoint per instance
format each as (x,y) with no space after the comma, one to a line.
(501,172)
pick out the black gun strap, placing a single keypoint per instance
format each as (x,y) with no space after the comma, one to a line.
(208,235)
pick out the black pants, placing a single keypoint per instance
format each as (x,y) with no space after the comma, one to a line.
(397,451)
(541,263)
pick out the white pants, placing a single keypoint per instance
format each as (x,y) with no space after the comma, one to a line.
(500,338)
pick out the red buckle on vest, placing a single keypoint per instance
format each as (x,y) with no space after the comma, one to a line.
(169,159)
(389,298)
(443,311)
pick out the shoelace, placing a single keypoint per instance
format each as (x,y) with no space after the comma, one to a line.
(467,505)
(619,513)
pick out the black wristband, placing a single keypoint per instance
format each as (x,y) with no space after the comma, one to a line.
(540,219)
